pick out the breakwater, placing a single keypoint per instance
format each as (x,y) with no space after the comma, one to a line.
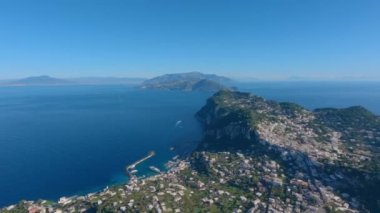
(130,169)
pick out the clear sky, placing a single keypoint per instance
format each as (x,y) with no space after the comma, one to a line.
(268,39)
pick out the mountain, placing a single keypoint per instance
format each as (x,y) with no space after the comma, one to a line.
(290,125)
(206,85)
(47,80)
(335,151)
(192,81)
(256,155)
(38,81)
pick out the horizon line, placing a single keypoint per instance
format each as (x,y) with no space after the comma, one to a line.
(245,79)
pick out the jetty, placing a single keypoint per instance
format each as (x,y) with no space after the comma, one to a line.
(130,169)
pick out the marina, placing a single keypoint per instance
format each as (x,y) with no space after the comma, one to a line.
(130,169)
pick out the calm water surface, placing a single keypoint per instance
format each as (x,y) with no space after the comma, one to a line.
(57,141)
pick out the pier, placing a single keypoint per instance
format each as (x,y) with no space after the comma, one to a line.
(131,168)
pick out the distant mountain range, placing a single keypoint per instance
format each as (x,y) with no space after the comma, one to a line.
(192,81)
(45,80)
(37,80)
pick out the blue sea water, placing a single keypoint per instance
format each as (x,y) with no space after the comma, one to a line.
(57,141)
(60,141)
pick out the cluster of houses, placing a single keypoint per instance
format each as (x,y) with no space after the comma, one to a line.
(303,130)
(249,181)
(274,188)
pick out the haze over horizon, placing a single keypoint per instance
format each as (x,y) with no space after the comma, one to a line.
(247,78)
(268,40)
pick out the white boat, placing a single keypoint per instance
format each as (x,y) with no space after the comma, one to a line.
(154,169)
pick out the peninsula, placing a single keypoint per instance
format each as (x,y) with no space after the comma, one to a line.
(256,156)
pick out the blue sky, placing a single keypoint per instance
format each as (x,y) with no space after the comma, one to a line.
(267,39)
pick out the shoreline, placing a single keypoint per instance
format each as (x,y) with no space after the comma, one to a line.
(171,165)
(116,181)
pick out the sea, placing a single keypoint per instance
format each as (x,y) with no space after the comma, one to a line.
(71,140)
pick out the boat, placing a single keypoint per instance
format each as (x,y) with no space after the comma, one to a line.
(155,169)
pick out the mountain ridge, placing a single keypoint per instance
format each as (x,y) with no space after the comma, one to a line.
(45,80)
(191,81)
(38,81)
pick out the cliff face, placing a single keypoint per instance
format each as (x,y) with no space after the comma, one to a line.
(225,127)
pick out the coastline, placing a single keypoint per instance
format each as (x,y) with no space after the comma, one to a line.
(280,170)
(173,165)
(121,179)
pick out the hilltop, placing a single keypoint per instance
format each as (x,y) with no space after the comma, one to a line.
(192,81)
(335,148)
(353,131)
(256,156)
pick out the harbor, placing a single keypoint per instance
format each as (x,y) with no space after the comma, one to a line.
(131,169)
